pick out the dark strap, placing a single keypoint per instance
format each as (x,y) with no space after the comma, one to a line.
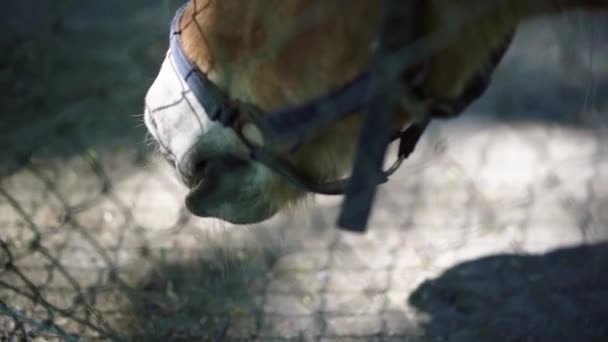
(289,126)
(362,187)
(208,94)
(295,124)
(407,143)
(399,29)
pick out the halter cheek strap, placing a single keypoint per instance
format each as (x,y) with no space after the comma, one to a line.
(208,94)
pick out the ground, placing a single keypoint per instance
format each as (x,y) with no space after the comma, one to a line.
(495,230)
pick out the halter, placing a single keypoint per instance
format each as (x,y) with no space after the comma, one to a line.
(288,128)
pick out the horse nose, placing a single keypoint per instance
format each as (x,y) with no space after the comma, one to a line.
(192,168)
(196,166)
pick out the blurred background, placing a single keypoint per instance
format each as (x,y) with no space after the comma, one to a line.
(495,230)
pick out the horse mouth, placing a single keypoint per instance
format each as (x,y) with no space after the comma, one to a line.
(220,185)
(198,187)
(196,199)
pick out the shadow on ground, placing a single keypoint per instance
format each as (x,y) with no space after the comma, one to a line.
(558,296)
(215,296)
(74,75)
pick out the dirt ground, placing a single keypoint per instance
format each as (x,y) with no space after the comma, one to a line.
(496,230)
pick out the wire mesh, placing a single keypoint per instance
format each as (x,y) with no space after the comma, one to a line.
(495,231)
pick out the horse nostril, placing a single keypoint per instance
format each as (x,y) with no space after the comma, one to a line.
(192,169)
(195,167)
(199,172)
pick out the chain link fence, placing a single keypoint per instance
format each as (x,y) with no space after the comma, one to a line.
(496,230)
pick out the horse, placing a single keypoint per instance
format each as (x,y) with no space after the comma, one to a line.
(233,68)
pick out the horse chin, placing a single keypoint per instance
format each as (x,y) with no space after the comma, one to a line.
(200,203)
(229,197)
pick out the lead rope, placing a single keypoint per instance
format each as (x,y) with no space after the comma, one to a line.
(375,134)
(367,172)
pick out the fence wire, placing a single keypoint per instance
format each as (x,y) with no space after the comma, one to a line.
(496,230)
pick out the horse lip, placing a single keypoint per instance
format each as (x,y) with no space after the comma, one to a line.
(192,199)
(208,181)
(193,181)
(199,186)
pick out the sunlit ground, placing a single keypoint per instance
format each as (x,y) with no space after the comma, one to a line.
(495,230)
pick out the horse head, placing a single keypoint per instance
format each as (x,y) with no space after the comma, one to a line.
(231,63)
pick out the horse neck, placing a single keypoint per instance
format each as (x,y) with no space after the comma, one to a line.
(276,52)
